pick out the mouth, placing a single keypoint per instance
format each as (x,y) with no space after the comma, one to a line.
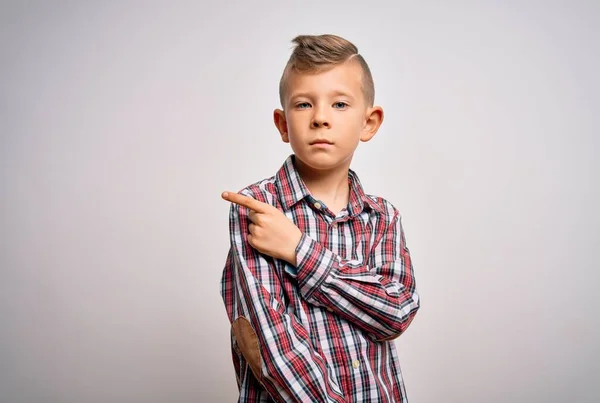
(321,142)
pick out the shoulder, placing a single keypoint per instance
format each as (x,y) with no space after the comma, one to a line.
(264,191)
(385,208)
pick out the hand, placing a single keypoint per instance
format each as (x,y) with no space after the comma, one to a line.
(271,232)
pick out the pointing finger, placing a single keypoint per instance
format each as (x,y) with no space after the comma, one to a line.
(245,201)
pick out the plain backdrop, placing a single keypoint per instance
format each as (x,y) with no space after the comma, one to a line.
(122,122)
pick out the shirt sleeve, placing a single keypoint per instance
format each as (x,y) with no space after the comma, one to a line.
(275,344)
(380,299)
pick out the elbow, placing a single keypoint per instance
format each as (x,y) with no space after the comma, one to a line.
(398,323)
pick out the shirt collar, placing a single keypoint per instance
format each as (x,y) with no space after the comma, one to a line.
(291,189)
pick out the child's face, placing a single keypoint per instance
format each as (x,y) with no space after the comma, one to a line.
(325,116)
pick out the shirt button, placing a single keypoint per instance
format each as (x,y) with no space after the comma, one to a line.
(355,364)
(317,205)
(334,225)
(330,310)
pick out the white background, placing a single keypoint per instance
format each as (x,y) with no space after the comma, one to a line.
(121,123)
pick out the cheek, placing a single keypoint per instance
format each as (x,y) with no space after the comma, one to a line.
(353,124)
(352,118)
(292,124)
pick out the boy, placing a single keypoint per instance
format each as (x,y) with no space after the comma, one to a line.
(318,279)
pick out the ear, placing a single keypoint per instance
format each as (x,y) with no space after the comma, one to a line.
(373,120)
(281,124)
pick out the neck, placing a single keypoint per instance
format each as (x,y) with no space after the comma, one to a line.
(330,186)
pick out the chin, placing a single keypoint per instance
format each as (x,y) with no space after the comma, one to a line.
(321,161)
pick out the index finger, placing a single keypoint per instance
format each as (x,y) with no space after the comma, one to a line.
(245,201)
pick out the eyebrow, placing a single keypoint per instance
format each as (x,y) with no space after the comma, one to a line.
(332,93)
(343,93)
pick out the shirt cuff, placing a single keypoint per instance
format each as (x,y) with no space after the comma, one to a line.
(313,264)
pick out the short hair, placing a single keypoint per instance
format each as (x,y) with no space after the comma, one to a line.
(314,53)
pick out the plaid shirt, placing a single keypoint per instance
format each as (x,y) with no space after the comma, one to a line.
(321,331)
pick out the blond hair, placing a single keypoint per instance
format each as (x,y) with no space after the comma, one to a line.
(314,53)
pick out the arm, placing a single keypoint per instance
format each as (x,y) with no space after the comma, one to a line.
(274,343)
(381,299)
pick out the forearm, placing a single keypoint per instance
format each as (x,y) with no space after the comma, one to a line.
(274,343)
(380,300)
(278,348)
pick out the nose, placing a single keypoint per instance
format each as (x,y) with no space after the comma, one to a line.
(317,123)
(320,119)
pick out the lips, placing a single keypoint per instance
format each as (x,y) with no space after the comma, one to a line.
(321,141)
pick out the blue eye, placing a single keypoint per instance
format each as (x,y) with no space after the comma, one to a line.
(303,105)
(340,105)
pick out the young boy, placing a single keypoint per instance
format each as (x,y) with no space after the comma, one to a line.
(318,281)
